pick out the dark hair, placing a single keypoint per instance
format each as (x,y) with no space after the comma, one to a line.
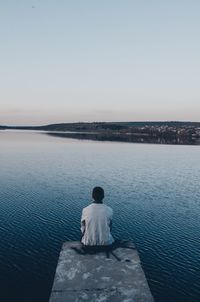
(98,194)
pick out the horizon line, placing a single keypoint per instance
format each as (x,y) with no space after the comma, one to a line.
(104,122)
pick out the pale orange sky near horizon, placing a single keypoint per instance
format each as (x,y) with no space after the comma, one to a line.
(102,61)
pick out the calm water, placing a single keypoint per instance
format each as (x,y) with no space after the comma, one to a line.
(154,191)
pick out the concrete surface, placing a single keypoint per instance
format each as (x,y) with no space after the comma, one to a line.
(97,278)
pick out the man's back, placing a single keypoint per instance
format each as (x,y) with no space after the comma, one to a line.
(95,224)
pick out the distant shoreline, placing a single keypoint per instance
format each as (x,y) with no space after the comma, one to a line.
(174,133)
(106,125)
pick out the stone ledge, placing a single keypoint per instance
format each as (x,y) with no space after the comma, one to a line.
(97,278)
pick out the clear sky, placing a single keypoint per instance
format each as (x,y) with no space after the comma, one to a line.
(106,60)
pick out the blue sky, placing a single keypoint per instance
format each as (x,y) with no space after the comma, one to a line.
(68,61)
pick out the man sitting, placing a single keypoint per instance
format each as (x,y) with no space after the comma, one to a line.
(96,222)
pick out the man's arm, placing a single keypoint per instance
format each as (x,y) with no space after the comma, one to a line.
(110,218)
(83,223)
(110,225)
(83,226)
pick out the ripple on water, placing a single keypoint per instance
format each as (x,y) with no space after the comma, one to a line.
(154,191)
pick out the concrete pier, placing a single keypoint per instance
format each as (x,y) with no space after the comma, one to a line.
(99,277)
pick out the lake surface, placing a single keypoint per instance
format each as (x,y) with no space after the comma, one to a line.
(45,182)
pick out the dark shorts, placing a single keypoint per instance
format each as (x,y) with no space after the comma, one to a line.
(97,248)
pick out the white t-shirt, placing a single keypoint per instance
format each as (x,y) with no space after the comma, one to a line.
(96,228)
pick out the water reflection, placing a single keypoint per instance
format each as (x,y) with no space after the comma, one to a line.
(125,138)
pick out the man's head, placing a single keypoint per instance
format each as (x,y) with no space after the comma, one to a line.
(98,194)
